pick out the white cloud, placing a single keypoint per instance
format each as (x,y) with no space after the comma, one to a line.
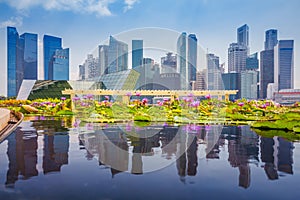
(13,21)
(129,4)
(98,7)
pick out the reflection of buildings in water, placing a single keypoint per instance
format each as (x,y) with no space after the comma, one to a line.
(110,145)
(56,149)
(186,154)
(267,151)
(168,133)
(277,154)
(22,155)
(243,149)
(142,147)
(213,139)
(285,156)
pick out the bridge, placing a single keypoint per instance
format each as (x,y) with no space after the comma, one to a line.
(164,93)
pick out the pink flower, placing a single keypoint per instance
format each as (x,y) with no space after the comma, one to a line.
(145,100)
(137,94)
(128,94)
(190,95)
(106,97)
(128,127)
(207,127)
(63,98)
(208,96)
(241,104)
(75,99)
(90,96)
(76,123)
(90,126)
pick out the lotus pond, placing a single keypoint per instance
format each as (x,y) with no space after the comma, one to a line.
(261,115)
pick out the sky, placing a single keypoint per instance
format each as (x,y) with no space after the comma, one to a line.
(83,25)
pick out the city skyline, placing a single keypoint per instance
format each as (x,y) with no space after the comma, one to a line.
(214,30)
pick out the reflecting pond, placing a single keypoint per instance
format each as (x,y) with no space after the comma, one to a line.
(49,158)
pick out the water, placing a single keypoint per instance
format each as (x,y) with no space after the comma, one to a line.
(44,159)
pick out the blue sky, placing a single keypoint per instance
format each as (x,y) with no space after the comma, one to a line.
(85,24)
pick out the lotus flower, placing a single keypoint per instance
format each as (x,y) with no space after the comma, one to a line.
(75,99)
(90,96)
(241,104)
(207,96)
(190,95)
(145,100)
(89,126)
(63,98)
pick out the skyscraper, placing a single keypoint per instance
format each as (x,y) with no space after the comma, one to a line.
(103,58)
(192,57)
(168,63)
(271,39)
(59,65)
(137,53)
(214,79)
(249,84)
(267,62)
(243,36)
(182,60)
(284,64)
(51,44)
(21,59)
(237,55)
(12,41)
(252,62)
(117,55)
(230,81)
(266,71)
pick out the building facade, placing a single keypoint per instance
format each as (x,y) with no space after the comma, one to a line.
(266,71)
(252,62)
(137,53)
(243,35)
(271,39)
(182,60)
(21,59)
(51,44)
(284,64)
(230,82)
(267,62)
(192,57)
(249,84)
(169,63)
(214,79)
(237,55)
(117,56)
(59,65)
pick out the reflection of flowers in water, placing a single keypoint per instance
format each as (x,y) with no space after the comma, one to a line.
(76,123)
(128,127)
(89,126)
(207,127)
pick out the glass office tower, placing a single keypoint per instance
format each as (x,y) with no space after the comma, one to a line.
(59,65)
(21,59)
(51,44)
(12,41)
(137,53)
(284,64)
